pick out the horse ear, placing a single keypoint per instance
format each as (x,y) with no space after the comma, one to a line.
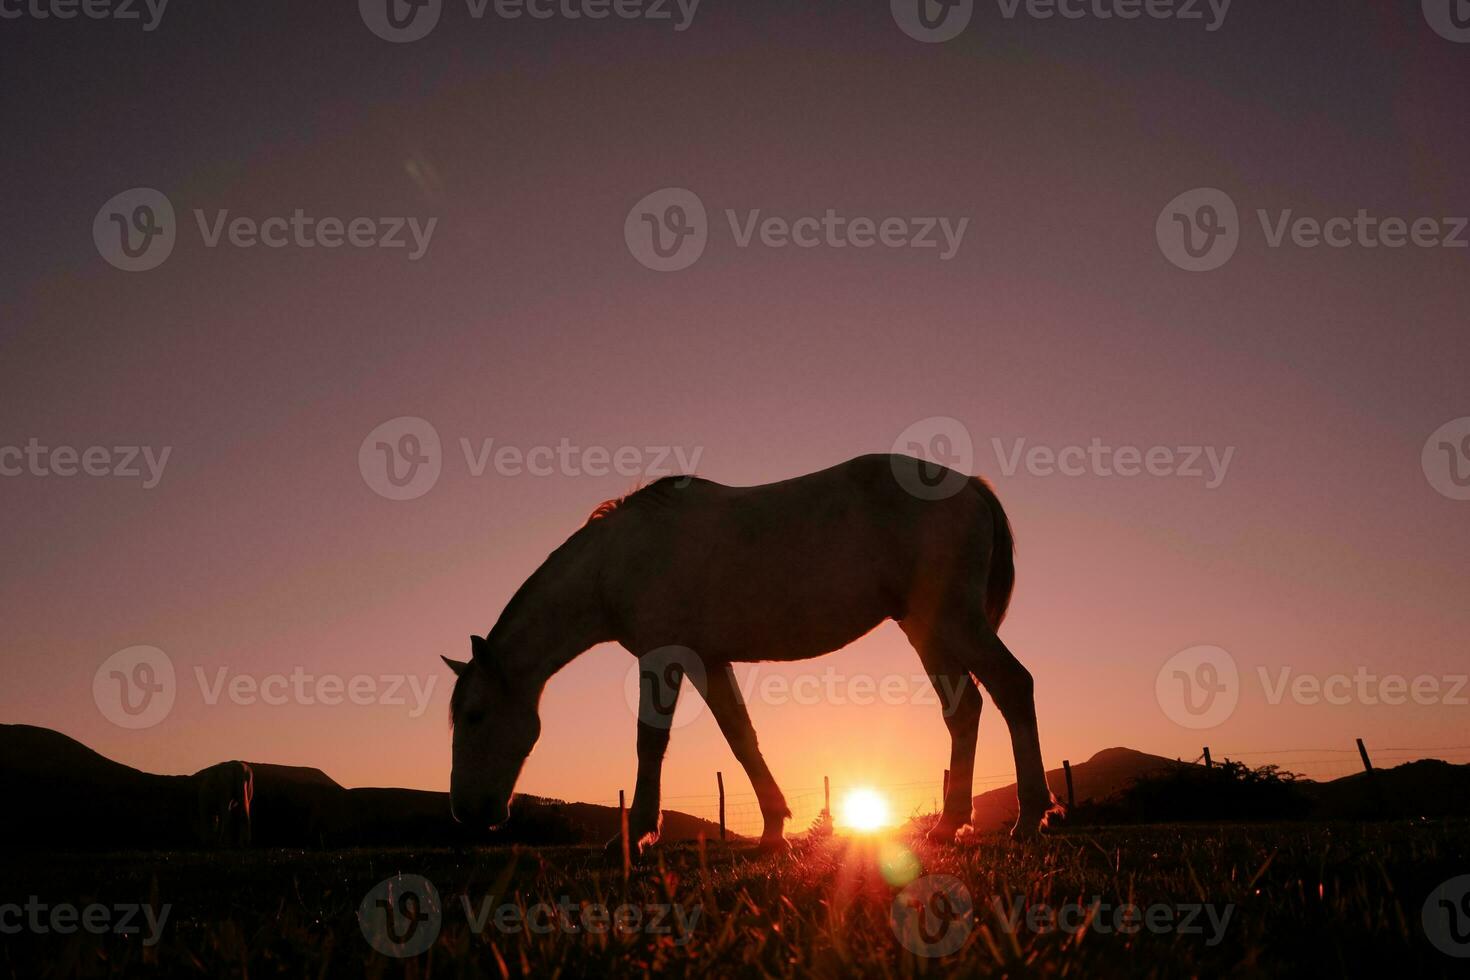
(478,647)
(457,666)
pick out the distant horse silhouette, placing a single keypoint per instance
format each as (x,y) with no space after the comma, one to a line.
(692,576)
(223,794)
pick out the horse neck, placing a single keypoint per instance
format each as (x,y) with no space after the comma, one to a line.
(555,616)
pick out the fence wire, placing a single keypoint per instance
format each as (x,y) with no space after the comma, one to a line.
(907,800)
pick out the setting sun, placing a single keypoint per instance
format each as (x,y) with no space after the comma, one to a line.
(864,810)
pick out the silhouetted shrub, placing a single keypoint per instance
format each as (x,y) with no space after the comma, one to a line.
(1226,791)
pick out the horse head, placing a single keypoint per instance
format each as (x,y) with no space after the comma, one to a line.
(496,724)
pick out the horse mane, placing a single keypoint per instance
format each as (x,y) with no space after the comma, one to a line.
(605,508)
(656,490)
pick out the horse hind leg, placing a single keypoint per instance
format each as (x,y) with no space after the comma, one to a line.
(965,635)
(960,701)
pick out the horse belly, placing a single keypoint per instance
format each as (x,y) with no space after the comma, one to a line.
(785,611)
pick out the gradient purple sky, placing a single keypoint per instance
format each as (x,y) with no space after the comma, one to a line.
(528,321)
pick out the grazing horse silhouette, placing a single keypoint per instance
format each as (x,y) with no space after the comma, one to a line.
(781,572)
(223,794)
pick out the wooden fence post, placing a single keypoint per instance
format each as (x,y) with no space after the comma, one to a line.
(1208,762)
(720,778)
(946,785)
(826,796)
(1067,770)
(623,830)
(1363,751)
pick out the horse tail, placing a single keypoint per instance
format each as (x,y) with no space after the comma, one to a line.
(1001,578)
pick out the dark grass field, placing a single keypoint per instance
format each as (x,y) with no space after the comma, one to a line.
(1280,899)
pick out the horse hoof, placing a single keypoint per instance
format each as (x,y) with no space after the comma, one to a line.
(1029,829)
(942,833)
(614,850)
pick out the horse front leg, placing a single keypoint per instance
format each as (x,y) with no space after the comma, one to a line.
(725,703)
(658,696)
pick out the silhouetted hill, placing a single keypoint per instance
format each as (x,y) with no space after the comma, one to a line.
(1426,788)
(1124,785)
(56,791)
(1106,774)
(29,750)
(60,793)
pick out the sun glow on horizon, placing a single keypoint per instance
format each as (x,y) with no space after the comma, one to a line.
(864,810)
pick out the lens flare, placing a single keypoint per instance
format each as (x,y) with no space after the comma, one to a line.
(864,810)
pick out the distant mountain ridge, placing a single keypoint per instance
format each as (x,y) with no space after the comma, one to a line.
(1426,788)
(61,793)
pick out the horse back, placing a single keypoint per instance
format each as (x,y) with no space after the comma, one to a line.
(781,571)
